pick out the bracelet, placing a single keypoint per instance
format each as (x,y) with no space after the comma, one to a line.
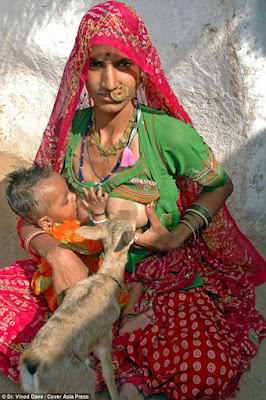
(196,219)
(201,215)
(31,236)
(192,230)
(99,222)
(98,214)
(191,222)
(202,211)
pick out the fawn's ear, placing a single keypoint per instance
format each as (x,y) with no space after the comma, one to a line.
(126,239)
(90,232)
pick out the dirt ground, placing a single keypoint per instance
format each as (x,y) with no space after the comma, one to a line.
(252,384)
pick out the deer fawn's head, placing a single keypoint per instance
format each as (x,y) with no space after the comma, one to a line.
(114,233)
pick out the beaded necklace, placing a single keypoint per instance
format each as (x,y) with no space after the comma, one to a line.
(95,138)
(134,130)
(91,163)
(82,151)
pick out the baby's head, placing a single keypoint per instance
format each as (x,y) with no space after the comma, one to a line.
(40,196)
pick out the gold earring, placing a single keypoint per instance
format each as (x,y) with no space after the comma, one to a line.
(142,79)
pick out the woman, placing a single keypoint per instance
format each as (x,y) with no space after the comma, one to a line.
(199,286)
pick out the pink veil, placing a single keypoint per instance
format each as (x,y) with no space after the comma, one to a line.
(120,26)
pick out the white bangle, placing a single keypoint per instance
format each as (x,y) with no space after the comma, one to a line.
(99,222)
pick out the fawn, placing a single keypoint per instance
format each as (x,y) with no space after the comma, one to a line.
(57,359)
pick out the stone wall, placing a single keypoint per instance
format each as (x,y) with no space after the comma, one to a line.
(213,52)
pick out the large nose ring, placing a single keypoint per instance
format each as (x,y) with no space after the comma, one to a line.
(121,92)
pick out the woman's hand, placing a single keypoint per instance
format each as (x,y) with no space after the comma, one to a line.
(157,237)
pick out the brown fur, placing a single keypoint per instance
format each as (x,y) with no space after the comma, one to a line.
(57,359)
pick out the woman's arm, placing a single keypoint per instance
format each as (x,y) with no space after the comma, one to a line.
(67,268)
(157,237)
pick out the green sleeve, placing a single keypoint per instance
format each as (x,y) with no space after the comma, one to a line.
(185,153)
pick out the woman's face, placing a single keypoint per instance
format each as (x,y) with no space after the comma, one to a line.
(108,69)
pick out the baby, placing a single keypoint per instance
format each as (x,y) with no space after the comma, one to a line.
(41,196)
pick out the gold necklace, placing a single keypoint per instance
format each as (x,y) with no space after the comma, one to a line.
(95,138)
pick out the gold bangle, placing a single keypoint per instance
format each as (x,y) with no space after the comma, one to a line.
(192,214)
(31,236)
(203,210)
(200,214)
(191,228)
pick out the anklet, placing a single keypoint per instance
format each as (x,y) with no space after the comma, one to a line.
(128,316)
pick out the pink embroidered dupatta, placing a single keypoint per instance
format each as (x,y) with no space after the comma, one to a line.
(120,26)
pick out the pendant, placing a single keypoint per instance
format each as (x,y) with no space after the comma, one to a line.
(106,158)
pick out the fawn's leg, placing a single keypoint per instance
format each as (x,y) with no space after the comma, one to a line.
(103,351)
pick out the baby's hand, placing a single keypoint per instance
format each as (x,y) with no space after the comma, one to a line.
(95,202)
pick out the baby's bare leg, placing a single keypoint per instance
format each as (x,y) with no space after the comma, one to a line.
(130,321)
(136,290)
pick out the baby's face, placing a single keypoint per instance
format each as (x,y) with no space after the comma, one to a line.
(62,202)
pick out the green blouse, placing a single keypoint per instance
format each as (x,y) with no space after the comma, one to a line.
(168,147)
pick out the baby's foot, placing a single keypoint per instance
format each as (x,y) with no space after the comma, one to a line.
(131,322)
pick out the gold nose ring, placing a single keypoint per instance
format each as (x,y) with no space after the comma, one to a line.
(120,92)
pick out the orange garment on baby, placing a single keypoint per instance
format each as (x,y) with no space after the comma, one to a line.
(88,250)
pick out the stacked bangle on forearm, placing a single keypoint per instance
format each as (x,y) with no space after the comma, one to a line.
(194,211)
(202,211)
(195,218)
(31,236)
(191,228)
(190,222)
